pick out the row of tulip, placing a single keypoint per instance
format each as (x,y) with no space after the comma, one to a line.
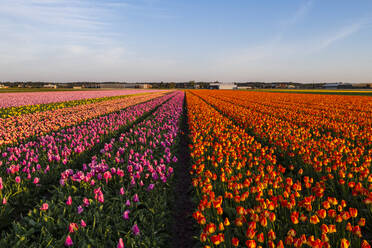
(118,199)
(344,117)
(29,109)
(332,159)
(28,170)
(249,199)
(18,128)
(33,98)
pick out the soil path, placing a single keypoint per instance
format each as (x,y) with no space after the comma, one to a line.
(183,231)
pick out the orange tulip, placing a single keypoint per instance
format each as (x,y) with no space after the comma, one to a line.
(353,212)
(345,243)
(365,244)
(235,242)
(314,219)
(271,235)
(251,243)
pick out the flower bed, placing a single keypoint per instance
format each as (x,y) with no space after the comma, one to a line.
(29,170)
(248,198)
(118,198)
(19,128)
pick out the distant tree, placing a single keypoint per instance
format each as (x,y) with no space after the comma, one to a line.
(204,85)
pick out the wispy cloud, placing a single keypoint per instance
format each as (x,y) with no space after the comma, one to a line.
(297,16)
(72,40)
(47,30)
(341,34)
(271,47)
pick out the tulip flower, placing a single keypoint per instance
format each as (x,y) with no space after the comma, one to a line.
(44,207)
(126,214)
(80,209)
(36,180)
(345,243)
(120,243)
(18,179)
(68,241)
(122,191)
(235,242)
(72,227)
(69,201)
(135,198)
(135,230)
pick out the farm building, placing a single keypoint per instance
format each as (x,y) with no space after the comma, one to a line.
(51,86)
(337,86)
(222,86)
(244,87)
(144,86)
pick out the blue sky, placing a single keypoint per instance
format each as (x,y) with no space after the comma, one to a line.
(169,40)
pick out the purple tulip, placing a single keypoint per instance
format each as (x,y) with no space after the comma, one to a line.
(135,230)
(151,187)
(126,214)
(80,209)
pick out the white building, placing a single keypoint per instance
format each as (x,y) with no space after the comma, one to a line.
(51,86)
(223,86)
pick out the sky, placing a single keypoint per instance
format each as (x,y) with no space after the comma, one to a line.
(170,40)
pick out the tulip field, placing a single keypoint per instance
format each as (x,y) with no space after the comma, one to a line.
(99,169)
(281,170)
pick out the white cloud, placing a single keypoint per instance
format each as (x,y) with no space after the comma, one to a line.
(343,33)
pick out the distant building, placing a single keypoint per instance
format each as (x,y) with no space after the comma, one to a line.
(50,86)
(77,87)
(2,86)
(144,86)
(222,86)
(244,87)
(362,86)
(337,86)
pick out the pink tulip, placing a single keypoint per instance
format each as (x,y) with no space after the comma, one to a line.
(86,201)
(121,243)
(4,201)
(122,191)
(135,230)
(101,198)
(136,198)
(68,241)
(82,223)
(107,176)
(44,207)
(69,201)
(18,179)
(126,214)
(36,180)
